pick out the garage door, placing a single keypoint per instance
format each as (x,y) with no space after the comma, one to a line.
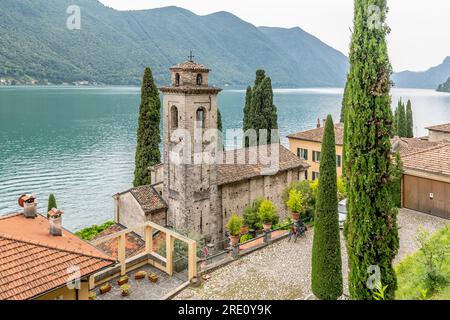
(428,196)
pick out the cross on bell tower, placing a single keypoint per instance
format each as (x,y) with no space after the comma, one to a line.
(191,57)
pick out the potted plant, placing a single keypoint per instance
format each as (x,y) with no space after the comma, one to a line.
(140,275)
(244,229)
(153,278)
(92,295)
(234,227)
(267,213)
(105,288)
(295,204)
(123,280)
(125,290)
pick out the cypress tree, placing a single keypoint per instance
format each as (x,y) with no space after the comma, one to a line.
(51,202)
(220,145)
(326,276)
(343,105)
(260,112)
(409,120)
(395,124)
(401,124)
(371,228)
(148,133)
(247,111)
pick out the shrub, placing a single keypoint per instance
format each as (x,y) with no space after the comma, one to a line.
(341,189)
(91,232)
(314,188)
(51,202)
(295,202)
(246,237)
(267,212)
(234,225)
(433,256)
(250,215)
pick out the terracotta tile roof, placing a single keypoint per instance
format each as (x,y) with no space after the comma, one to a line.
(148,198)
(434,160)
(230,173)
(33,262)
(316,134)
(191,66)
(441,127)
(411,145)
(134,244)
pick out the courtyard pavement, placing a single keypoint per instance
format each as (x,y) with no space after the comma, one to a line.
(144,289)
(282,271)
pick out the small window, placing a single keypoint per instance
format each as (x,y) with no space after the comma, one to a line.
(338,161)
(302,153)
(315,175)
(174,117)
(199,79)
(316,156)
(200,118)
(177,79)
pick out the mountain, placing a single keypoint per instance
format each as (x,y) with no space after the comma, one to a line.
(445,87)
(114,47)
(429,79)
(316,65)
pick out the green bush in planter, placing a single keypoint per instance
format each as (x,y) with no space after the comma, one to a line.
(250,215)
(246,237)
(267,212)
(295,202)
(234,225)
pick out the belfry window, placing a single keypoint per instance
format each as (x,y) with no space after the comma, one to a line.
(199,79)
(200,118)
(174,117)
(177,79)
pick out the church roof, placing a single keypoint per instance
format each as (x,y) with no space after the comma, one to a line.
(148,198)
(190,65)
(231,173)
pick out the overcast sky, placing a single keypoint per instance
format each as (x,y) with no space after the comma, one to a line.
(420,29)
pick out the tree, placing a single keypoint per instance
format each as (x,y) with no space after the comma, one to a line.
(51,202)
(344,98)
(371,227)
(326,276)
(148,133)
(401,121)
(260,113)
(220,145)
(409,120)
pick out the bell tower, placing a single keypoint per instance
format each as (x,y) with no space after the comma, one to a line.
(190,182)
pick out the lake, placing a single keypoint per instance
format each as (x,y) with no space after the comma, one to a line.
(79,142)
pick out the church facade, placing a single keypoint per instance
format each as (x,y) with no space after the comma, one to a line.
(201,193)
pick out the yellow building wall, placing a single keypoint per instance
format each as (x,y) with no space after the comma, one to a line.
(313,146)
(65,293)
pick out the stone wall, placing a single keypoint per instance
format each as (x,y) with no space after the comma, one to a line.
(129,212)
(236,196)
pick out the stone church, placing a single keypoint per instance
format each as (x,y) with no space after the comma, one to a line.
(200,196)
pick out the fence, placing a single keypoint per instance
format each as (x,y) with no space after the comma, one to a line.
(228,253)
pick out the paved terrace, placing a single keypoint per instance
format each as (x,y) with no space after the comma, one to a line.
(282,270)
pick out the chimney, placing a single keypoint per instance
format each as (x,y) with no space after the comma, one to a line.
(29,204)
(55,220)
(318,123)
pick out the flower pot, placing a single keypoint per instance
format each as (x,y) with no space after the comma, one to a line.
(295,216)
(195,282)
(235,240)
(122,280)
(125,293)
(244,229)
(267,226)
(153,278)
(105,288)
(140,275)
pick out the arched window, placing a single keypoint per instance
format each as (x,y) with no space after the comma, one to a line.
(177,79)
(174,117)
(200,117)
(199,79)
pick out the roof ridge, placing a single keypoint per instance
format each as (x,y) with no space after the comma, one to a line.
(439,146)
(59,248)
